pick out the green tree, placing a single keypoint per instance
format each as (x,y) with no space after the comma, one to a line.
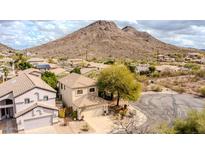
(50,78)
(76,70)
(152,69)
(24,65)
(118,80)
(193,124)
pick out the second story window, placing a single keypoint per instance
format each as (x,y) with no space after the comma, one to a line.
(45,98)
(27,101)
(92,90)
(79,91)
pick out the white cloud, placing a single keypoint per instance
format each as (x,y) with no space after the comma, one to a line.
(25,34)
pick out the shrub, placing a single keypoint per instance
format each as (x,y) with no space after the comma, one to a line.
(202,91)
(110,62)
(141,78)
(156,88)
(152,69)
(62,113)
(76,70)
(192,66)
(179,89)
(200,73)
(132,68)
(24,65)
(155,75)
(193,124)
(74,115)
(85,127)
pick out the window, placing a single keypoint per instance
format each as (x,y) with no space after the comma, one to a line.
(64,87)
(27,101)
(61,86)
(45,98)
(79,91)
(92,90)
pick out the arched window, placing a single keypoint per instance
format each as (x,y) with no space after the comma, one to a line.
(37,96)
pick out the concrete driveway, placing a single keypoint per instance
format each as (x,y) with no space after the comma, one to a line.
(100,124)
(162,107)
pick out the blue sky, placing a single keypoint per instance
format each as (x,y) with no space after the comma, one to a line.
(25,34)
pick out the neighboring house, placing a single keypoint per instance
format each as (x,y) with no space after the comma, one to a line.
(31,71)
(43,66)
(35,61)
(29,100)
(75,62)
(194,55)
(59,71)
(99,66)
(199,61)
(81,93)
(142,68)
(165,58)
(86,71)
(165,68)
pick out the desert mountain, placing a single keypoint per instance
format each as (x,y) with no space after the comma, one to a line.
(105,39)
(4,48)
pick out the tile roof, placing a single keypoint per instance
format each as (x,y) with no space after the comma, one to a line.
(22,83)
(89,100)
(75,80)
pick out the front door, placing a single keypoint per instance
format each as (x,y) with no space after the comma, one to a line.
(3,113)
(6,113)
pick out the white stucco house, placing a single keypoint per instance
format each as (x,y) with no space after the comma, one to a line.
(29,100)
(81,93)
(35,61)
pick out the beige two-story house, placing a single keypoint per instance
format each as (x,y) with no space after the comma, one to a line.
(81,93)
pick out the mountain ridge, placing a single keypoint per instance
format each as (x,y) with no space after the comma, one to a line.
(103,39)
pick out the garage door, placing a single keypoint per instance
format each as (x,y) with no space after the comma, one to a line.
(94,112)
(37,122)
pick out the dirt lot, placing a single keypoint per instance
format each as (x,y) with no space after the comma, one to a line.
(187,84)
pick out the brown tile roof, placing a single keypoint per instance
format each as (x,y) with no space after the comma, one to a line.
(77,81)
(89,100)
(29,71)
(22,83)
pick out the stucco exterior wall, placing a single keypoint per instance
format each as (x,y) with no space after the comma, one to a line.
(86,91)
(70,95)
(35,95)
(36,113)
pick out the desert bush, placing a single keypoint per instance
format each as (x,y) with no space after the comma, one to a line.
(76,70)
(193,124)
(179,89)
(74,115)
(200,73)
(85,127)
(141,78)
(155,75)
(109,62)
(202,91)
(152,69)
(192,66)
(156,88)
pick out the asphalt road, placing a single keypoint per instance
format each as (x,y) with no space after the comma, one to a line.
(166,107)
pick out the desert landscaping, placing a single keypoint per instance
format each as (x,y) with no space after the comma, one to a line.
(101,79)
